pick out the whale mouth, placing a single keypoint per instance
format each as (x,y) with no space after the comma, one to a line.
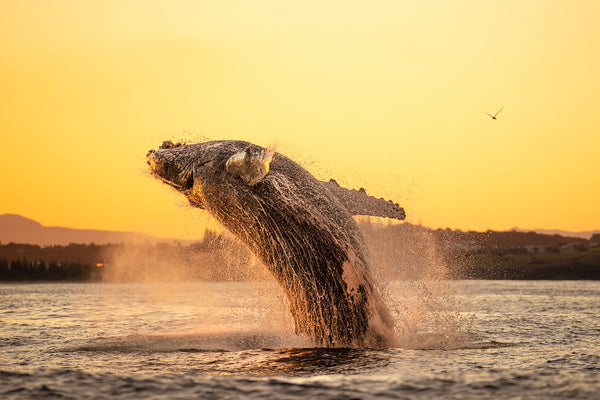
(181,179)
(177,186)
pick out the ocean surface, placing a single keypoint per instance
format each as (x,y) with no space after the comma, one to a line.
(458,339)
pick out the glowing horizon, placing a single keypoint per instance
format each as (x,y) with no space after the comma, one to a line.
(388,96)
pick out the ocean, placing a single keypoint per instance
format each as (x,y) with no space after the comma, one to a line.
(229,340)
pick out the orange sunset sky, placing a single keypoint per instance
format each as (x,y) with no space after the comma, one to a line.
(385,95)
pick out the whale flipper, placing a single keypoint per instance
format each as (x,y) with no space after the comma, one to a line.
(251,168)
(358,202)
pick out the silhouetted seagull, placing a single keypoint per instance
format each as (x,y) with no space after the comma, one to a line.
(494,116)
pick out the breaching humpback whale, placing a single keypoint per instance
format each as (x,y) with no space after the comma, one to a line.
(301,228)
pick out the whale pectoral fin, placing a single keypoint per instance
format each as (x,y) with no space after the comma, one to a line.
(358,202)
(251,168)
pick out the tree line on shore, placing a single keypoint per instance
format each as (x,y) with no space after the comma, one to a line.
(398,251)
(37,270)
(217,257)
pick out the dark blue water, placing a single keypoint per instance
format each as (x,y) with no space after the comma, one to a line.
(469,339)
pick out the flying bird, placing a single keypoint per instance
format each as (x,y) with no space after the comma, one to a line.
(494,116)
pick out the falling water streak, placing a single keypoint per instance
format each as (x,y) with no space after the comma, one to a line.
(428,314)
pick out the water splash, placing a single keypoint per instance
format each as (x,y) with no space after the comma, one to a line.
(427,313)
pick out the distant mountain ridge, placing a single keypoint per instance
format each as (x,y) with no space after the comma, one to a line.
(582,234)
(18,229)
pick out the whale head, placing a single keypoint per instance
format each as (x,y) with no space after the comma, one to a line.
(183,166)
(171,164)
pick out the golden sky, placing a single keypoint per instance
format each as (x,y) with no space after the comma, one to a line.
(385,95)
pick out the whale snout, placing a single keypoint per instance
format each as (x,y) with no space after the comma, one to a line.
(163,166)
(152,161)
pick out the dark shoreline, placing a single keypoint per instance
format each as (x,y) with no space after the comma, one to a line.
(470,268)
(399,252)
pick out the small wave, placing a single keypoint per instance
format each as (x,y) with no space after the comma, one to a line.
(13,341)
(465,385)
(207,342)
(192,343)
(448,341)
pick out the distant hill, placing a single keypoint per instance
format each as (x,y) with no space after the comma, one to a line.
(583,234)
(18,229)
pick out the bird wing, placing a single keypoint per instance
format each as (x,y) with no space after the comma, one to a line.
(497,112)
(488,114)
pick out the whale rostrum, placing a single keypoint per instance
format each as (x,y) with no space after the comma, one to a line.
(301,229)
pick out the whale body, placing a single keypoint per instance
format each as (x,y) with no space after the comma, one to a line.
(302,229)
